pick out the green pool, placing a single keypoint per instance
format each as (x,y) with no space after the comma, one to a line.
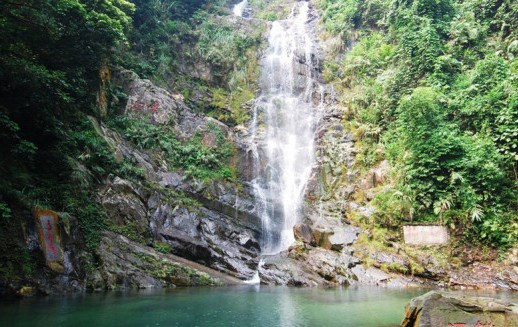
(232,306)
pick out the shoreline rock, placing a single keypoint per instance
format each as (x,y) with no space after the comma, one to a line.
(438,309)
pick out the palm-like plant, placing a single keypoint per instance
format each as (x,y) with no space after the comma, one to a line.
(443,205)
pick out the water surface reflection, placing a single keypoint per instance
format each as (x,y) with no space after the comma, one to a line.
(233,306)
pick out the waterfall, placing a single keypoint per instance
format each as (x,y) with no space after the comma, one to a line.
(240,8)
(283,128)
(255,279)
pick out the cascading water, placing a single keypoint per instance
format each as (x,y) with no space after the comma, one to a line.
(283,128)
(239,8)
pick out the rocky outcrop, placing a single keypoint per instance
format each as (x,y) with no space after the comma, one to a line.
(207,237)
(327,236)
(377,277)
(128,264)
(124,204)
(210,222)
(411,266)
(148,101)
(376,176)
(303,265)
(485,275)
(435,309)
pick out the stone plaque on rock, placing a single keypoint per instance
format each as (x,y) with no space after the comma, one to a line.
(48,232)
(425,234)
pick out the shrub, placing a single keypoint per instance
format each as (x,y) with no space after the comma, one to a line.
(195,158)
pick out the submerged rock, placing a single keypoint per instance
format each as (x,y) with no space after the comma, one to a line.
(437,309)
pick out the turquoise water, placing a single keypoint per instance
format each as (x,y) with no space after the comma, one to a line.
(234,306)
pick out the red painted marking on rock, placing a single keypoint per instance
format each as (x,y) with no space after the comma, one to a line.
(50,239)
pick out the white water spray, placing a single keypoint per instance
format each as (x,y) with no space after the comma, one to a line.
(283,127)
(240,8)
(255,279)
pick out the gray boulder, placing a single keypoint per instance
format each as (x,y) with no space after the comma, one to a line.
(304,265)
(438,309)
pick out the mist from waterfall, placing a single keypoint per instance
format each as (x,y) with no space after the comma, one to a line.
(283,128)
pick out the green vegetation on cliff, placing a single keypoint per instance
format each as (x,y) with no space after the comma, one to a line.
(50,55)
(55,62)
(169,38)
(193,156)
(431,86)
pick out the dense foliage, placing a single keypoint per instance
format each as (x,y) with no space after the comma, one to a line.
(170,39)
(431,85)
(54,59)
(193,156)
(160,28)
(50,55)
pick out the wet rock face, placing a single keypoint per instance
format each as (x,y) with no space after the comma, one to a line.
(449,309)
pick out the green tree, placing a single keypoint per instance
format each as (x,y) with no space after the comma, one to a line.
(50,55)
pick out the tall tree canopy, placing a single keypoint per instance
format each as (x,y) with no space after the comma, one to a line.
(50,54)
